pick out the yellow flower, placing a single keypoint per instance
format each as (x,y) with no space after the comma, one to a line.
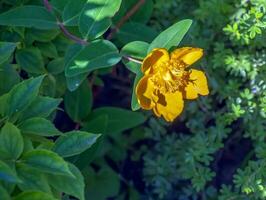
(167,81)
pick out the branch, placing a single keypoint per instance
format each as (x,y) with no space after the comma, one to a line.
(131,12)
(135,60)
(76,39)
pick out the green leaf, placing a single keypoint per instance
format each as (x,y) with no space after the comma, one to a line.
(171,36)
(96,55)
(46,161)
(34,195)
(6,50)
(40,107)
(7,174)
(78,103)
(96,125)
(30,60)
(119,119)
(23,94)
(73,186)
(134,101)
(95,17)
(95,182)
(32,179)
(11,142)
(74,82)
(56,66)
(39,126)
(4,194)
(74,142)
(9,77)
(42,35)
(137,50)
(142,15)
(29,16)
(48,49)
(72,12)
(133,31)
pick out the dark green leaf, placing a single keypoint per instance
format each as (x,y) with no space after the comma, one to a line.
(134,101)
(73,186)
(32,179)
(11,142)
(40,107)
(6,50)
(95,17)
(78,103)
(56,66)
(133,31)
(4,194)
(30,60)
(29,16)
(72,12)
(7,174)
(119,119)
(9,77)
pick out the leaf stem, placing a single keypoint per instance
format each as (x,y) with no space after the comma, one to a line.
(135,60)
(131,12)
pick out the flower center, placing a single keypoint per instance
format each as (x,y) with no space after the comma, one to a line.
(170,76)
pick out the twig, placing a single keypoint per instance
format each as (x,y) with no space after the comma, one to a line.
(132,11)
(135,60)
(76,39)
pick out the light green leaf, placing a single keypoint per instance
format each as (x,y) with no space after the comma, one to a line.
(78,103)
(7,174)
(34,195)
(172,36)
(31,60)
(23,94)
(39,126)
(96,55)
(136,50)
(95,17)
(73,186)
(134,101)
(29,16)
(74,142)
(6,49)
(11,142)
(46,161)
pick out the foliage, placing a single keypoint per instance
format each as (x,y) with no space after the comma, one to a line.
(68,72)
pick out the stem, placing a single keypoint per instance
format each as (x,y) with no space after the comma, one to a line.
(131,12)
(76,39)
(135,60)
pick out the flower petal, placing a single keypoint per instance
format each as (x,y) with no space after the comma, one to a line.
(156,57)
(170,105)
(197,85)
(188,55)
(145,93)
